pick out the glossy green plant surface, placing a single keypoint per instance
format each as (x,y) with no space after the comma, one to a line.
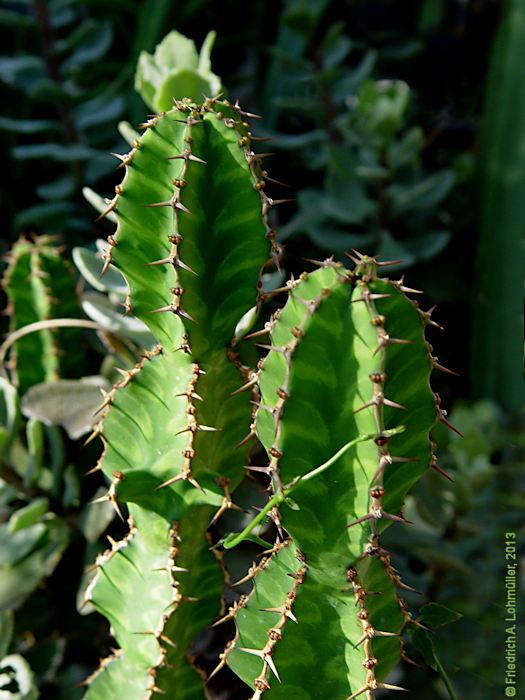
(191,241)
(348,358)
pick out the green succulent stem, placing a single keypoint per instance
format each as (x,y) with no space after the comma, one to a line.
(345,385)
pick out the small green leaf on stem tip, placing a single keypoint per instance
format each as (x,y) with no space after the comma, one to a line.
(29,515)
(435,615)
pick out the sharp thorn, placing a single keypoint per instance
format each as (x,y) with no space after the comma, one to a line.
(276,182)
(249,115)
(275,202)
(183,265)
(245,387)
(171,481)
(163,309)
(369,404)
(364,518)
(389,686)
(109,209)
(442,472)
(393,404)
(271,664)
(357,693)
(219,667)
(386,263)
(436,365)
(262,470)
(443,420)
(163,261)
(256,334)
(180,205)
(260,156)
(167,203)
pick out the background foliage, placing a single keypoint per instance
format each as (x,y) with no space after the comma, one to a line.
(391,134)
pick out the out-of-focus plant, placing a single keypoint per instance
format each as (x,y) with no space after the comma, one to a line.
(358,144)
(497,337)
(45,509)
(61,106)
(456,547)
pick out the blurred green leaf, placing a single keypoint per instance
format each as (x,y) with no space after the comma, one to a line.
(69,403)
(58,189)
(71,495)
(28,515)
(21,71)
(406,150)
(90,266)
(90,41)
(101,310)
(422,194)
(424,643)
(42,553)
(381,107)
(27,126)
(51,215)
(335,46)
(98,110)
(346,87)
(35,446)
(435,615)
(58,152)
(9,415)
(15,546)
(95,517)
(347,200)
(6,631)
